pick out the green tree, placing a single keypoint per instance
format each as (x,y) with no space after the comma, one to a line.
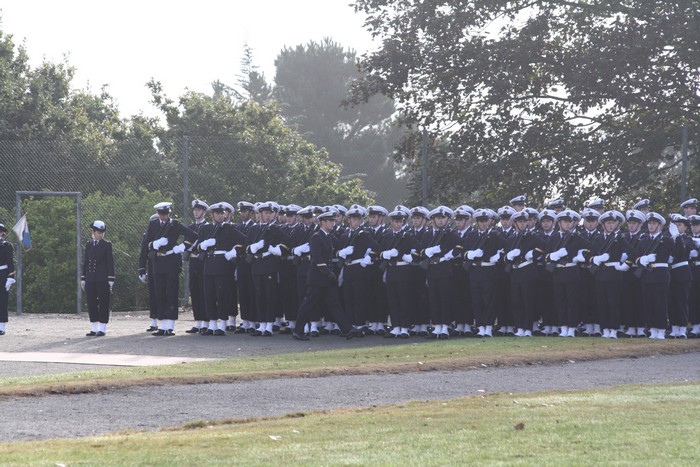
(252,81)
(311,84)
(551,97)
(243,150)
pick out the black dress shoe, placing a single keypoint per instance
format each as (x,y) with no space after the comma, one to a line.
(159,332)
(389,335)
(151,329)
(266,334)
(300,337)
(100,334)
(219,332)
(207,332)
(169,332)
(230,328)
(193,330)
(2,333)
(423,333)
(336,332)
(380,332)
(431,336)
(286,331)
(275,328)
(354,332)
(256,333)
(91,334)
(240,330)
(314,333)
(443,336)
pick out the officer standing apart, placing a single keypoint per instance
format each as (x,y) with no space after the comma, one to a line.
(164,251)
(97,279)
(7,276)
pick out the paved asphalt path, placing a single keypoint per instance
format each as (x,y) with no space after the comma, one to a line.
(158,407)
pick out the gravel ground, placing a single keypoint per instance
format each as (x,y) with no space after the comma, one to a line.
(157,407)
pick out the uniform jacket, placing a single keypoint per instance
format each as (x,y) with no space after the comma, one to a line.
(322,246)
(98,263)
(227,237)
(273,235)
(6,259)
(164,260)
(575,243)
(663,250)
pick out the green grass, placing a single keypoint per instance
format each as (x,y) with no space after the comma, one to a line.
(624,425)
(423,356)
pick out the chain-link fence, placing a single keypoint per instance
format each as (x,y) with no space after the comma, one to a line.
(120,182)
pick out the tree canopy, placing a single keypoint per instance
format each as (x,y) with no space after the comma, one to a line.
(552,97)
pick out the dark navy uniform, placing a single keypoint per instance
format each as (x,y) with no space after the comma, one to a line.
(98,272)
(655,280)
(7,271)
(402,297)
(166,264)
(356,278)
(244,281)
(196,275)
(523,278)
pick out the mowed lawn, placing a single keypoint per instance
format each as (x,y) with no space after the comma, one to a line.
(623,425)
(455,354)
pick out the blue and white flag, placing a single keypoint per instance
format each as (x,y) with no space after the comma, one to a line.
(21,229)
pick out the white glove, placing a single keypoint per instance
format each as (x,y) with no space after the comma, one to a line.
(693,254)
(496,257)
(229,255)
(206,244)
(473,254)
(179,248)
(646,259)
(111,284)
(365,261)
(393,253)
(82,285)
(447,257)
(529,255)
(622,267)
(255,247)
(673,230)
(559,254)
(597,260)
(346,251)
(432,251)
(161,242)
(512,254)
(696,240)
(301,249)
(409,258)
(623,257)
(142,278)
(670,259)
(579,257)
(386,254)
(275,250)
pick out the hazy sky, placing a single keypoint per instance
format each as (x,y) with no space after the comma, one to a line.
(182,44)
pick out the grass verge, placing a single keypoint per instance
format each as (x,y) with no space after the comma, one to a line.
(626,424)
(425,356)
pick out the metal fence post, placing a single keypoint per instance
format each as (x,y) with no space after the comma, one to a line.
(684,162)
(18,268)
(185,204)
(425,168)
(78,241)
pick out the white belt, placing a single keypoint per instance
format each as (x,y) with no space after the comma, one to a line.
(658,265)
(485,264)
(677,265)
(566,265)
(357,261)
(402,263)
(219,252)
(4,266)
(522,265)
(265,255)
(611,265)
(696,263)
(167,253)
(194,255)
(290,258)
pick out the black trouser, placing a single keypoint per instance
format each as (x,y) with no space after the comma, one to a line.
(97,298)
(463,311)
(246,295)
(422,308)
(377,303)
(523,302)
(504,311)
(609,301)
(694,307)
(482,281)
(402,298)
(4,296)
(266,296)
(355,298)
(197,294)
(325,298)
(440,296)
(632,314)
(217,296)
(566,297)
(152,297)
(167,291)
(545,289)
(588,299)
(678,308)
(655,304)
(289,295)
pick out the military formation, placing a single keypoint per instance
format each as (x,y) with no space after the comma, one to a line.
(437,274)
